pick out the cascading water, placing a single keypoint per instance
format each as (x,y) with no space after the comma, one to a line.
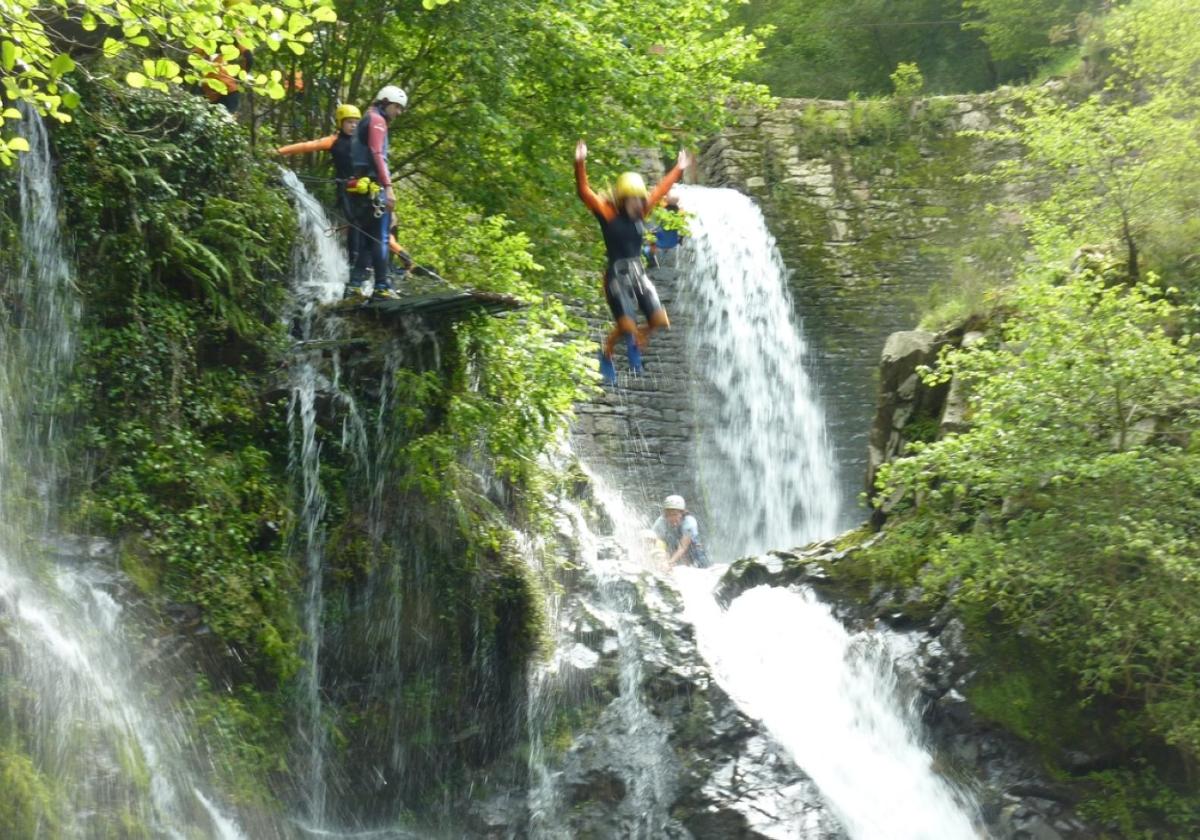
(69,699)
(764,466)
(832,700)
(762,457)
(319,272)
(611,565)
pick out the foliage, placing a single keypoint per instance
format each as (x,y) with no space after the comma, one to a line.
(907,80)
(248,731)
(30,803)
(500,91)
(514,380)
(827,48)
(182,41)
(1066,516)
(1028,31)
(831,49)
(1122,159)
(165,198)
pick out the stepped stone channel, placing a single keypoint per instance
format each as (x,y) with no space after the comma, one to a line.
(643,431)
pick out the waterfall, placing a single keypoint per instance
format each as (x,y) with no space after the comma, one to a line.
(832,700)
(319,271)
(763,461)
(74,700)
(612,565)
(829,698)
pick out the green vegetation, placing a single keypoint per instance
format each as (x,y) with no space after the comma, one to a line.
(832,48)
(1062,524)
(156,45)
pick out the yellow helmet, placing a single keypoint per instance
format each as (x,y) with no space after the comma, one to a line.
(630,185)
(346,112)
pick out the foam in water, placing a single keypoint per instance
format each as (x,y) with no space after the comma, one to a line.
(763,461)
(832,701)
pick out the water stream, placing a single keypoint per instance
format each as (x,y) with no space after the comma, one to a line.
(763,458)
(77,703)
(831,699)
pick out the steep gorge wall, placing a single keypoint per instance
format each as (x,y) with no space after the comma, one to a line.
(870,209)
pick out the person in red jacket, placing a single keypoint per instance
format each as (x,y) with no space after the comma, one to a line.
(373,206)
(627,288)
(339,146)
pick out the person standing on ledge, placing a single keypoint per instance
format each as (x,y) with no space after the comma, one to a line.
(680,531)
(627,288)
(340,147)
(372,197)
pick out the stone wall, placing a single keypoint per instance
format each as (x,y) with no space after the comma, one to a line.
(870,209)
(641,433)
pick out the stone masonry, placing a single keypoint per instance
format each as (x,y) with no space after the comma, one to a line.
(869,206)
(642,431)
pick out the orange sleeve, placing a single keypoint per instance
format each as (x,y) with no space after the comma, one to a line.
(601,208)
(661,188)
(324,144)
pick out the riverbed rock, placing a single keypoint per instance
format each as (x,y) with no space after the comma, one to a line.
(1017,800)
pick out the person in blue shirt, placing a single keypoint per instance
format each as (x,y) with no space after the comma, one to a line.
(680,531)
(666,239)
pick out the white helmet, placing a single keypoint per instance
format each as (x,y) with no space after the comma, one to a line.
(674,502)
(391,93)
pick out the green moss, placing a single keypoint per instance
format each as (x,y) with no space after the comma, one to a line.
(29,804)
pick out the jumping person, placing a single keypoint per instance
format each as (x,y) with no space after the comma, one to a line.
(627,288)
(340,147)
(680,531)
(372,198)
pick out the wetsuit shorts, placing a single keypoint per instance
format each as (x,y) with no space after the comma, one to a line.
(628,289)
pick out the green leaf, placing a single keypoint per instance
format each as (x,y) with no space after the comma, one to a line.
(135,79)
(8,55)
(324,14)
(18,144)
(61,65)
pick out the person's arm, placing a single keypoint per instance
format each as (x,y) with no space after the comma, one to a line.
(323,144)
(377,144)
(397,249)
(681,550)
(663,187)
(593,202)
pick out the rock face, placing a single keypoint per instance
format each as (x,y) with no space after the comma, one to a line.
(908,409)
(637,740)
(869,209)
(1017,801)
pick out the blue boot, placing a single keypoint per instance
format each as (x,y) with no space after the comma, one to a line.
(635,356)
(607,369)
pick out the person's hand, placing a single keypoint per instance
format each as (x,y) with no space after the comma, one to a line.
(684,160)
(581,151)
(389,198)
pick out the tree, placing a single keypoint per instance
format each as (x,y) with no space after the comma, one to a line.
(1027,32)
(1119,164)
(179,42)
(1067,513)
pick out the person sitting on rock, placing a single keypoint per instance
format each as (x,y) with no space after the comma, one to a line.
(680,531)
(627,288)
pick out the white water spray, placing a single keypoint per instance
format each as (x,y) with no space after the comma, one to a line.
(832,700)
(763,459)
(319,273)
(90,728)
